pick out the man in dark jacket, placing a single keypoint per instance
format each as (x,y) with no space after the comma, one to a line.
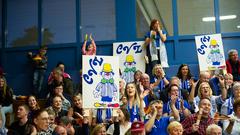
(22,126)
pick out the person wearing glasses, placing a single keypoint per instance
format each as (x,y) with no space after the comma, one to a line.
(41,123)
(157,123)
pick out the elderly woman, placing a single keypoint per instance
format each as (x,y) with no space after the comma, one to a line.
(6,99)
(214,129)
(233,64)
(175,128)
(205,91)
(159,82)
(231,126)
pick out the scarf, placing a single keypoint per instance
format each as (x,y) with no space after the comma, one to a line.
(177,104)
(154,46)
(161,84)
(185,85)
(133,112)
(230,106)
(99,115)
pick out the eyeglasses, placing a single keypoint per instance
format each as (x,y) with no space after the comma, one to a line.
(158,107)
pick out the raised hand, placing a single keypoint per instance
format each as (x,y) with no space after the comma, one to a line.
(173,99)
(86,37)
(221,80)
(141,87)
(143,94)
(191,82)
(159,29)
(78,115)
(90,37)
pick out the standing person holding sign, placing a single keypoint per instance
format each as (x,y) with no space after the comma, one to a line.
(155,47)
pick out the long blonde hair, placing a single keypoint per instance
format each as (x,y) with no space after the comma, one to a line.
(199,89)
(97,128)
(4,85)
(136,96)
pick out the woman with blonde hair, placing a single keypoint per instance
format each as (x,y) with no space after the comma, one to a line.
(205,91)
(99,129)
(175,128)
(159,82)
(6,99)
(135,105)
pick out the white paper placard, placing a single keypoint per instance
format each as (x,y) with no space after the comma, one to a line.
(210,52)
(100,81)
(131,58)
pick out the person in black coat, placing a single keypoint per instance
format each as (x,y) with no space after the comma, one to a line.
(6,99)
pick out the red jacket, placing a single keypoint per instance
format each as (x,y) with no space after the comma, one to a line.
(229,66)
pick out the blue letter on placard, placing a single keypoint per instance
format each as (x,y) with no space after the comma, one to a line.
(93,63)
(203,46)
(137,48)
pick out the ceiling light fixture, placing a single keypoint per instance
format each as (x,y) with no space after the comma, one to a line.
(225,17)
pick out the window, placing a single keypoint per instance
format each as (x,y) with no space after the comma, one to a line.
(22,23)
(98,19)
(156,9)
(194,17)
(142,24)
(59,21)
(229,15)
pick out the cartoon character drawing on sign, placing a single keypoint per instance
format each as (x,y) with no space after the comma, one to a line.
(214,56)
(128,74)
(107,89)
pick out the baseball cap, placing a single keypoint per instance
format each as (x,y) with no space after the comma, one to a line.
(137,127)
